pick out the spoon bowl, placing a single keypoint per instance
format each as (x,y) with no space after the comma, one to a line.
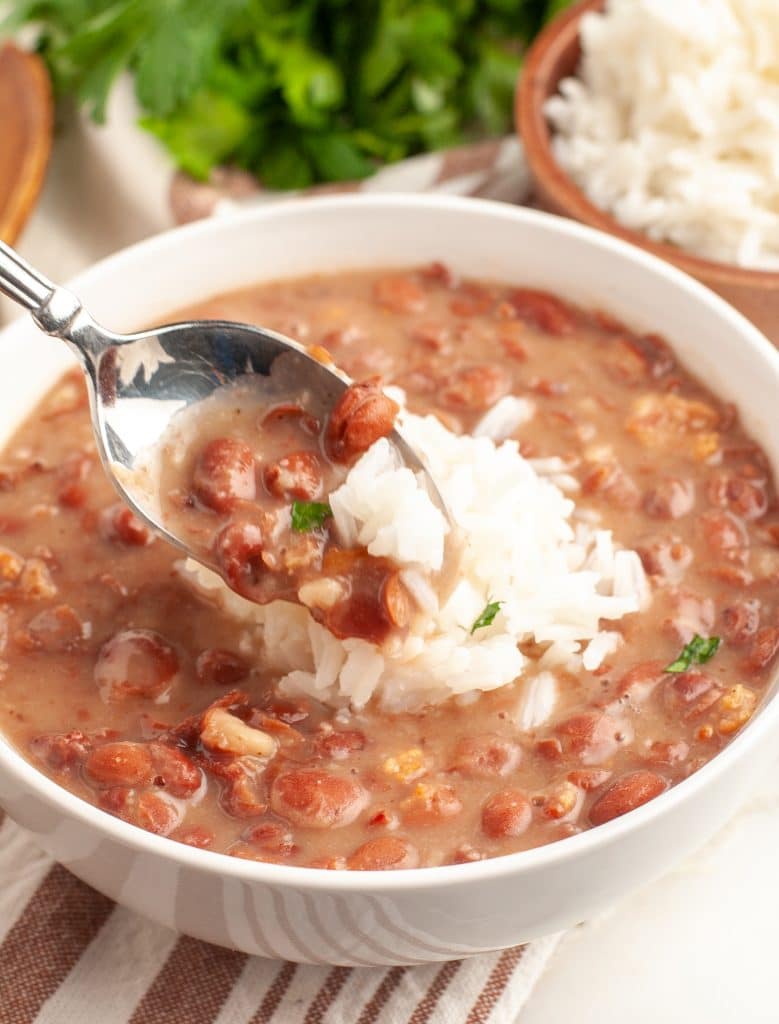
(139,382)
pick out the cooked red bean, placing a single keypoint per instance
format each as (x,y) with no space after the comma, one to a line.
(740,621)
(317,799)
(724,533)
(691,693)
(671,498)
(120,764)
(475,388)
(297,475)
(195,835)
(54,630)
(156,813)
(174,771)
(507,813)
(742,496)
(592,736)
(215,667)
(135,663)
(360,417)
(627,793)
(668,558)
(485,756)
(238,549)
(386,853)
(271,837)
(543,310)
(431,804)
(245,794)
(62,751)
(399,293)
(119,525)
(764,648)
(224,473)
(339,745)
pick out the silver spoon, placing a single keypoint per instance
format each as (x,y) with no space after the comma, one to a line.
(137,382)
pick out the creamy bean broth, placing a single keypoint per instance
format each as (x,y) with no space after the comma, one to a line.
(136,692)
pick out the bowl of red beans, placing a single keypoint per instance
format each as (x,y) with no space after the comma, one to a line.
(339,743)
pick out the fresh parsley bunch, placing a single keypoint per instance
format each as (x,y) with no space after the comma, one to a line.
(295,91)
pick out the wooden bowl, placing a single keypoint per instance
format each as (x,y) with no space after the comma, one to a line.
(555,55)
(25,136)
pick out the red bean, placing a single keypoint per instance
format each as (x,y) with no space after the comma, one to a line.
(667,558)
(724,533)
(271,837)
(544,311)
(120,764)
(627,793)
(764,649)
(386,853)
(670,498)
(589,779)
(691,694)
(216,667)
(592,736)
(429,805)
(475,388)
(471,300)
(432,334)
(507,813)
(224,473)
(155,813)
(639,682)
(485,756)
(396,601)
(174,771)
(742,496)
(740,621)
(195,835)
(399,293)
(312,798)
(339,745)
(297,475)
(667,753)
(244,793)
(135,663)
(611,480)
(53,630)
(120,526)
(690,614)
(238,549)
(361,416)
(62,751)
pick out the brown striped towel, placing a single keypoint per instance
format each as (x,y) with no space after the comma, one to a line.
(70,956)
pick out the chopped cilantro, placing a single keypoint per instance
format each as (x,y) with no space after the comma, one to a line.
(698,651)
(487,617)
(308,515)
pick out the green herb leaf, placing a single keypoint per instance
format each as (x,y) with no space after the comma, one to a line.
(487,617)
(294,91)
(697,652)
(308,515)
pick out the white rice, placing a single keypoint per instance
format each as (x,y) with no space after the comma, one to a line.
(672,123)
(556,581)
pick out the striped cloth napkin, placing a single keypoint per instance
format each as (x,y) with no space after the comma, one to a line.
(69,955)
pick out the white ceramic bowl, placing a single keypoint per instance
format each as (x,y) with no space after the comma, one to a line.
(432,913)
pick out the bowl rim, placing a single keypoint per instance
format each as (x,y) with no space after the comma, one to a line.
(560,36)
(61,800)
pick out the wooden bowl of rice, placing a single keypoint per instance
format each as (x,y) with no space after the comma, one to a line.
(555,55)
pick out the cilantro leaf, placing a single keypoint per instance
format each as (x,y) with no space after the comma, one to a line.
(697,652)
(487,616)
(293,91)
(309,515)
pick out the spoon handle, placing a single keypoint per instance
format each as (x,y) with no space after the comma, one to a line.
(54,309)
(20,282)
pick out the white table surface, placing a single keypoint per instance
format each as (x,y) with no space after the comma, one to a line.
(699,946)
